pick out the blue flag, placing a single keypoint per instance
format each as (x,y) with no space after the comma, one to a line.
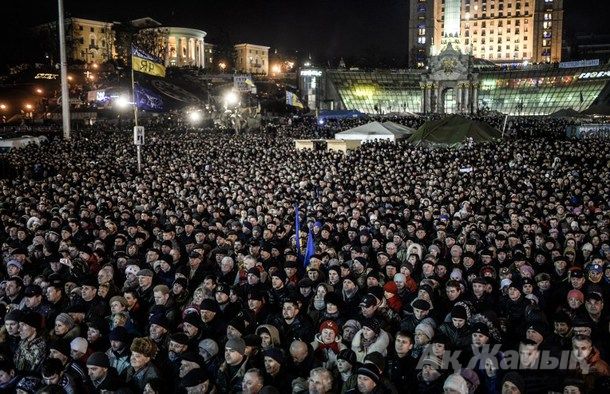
(297,229)
(310,249)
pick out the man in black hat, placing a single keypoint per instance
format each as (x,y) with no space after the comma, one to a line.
(94,305)
(276,373)
(227,309)
(197,381)
(258,311)
(118,353)
(213,325)
(421,310)
(34,301)
(32,347)
(102,375)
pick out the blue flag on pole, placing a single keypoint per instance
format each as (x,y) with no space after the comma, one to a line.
(297,229)
(310,249)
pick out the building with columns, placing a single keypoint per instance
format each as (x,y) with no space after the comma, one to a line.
(252,59)
(185,47)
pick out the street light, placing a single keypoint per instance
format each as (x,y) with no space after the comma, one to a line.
(122,102)
(222,65)
(3,107)
(231,98)
(29,107)
(195,117)
(276,69)
(39,91)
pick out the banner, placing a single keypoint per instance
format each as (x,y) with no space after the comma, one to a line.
(147,64)
(147,99)
(293,100)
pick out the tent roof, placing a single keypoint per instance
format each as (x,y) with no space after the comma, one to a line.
(376,129)
(453,131)
(566,113)
(597,110)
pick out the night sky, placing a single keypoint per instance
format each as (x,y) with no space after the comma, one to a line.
(375,30)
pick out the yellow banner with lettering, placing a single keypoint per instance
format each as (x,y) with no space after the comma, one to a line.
(147,66)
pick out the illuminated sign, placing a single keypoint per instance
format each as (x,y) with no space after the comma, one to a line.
(46,76)
(311,73)
(594,75)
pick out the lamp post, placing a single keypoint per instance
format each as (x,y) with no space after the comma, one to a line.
(65,94)
(232,103)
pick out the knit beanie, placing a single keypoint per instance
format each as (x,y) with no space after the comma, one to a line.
(79,344)
(426,328)
(65,319)
(456,383)
(99,359)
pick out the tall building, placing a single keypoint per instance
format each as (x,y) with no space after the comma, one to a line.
(502,31)
(252,59)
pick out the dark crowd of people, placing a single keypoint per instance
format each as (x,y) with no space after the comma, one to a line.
(476,270)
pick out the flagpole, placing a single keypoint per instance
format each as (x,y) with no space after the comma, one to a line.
(135,116)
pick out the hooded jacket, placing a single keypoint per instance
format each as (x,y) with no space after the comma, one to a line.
(380,344)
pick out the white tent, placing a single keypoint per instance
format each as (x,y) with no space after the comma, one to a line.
(376,131)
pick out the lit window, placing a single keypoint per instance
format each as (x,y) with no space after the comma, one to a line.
(421,40)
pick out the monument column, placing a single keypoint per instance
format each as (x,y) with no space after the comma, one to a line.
(458,98)
(467,98)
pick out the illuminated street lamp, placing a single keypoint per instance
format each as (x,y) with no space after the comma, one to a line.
(276,69)
(3,107)
(222,65)
(123,102)
(231,98)
(195,117)
(69,77)
(39,91)
(29,107)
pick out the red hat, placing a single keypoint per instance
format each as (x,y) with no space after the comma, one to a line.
(575,293)
(391,287)
(330,324)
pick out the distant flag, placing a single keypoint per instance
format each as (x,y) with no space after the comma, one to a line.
(297,229)
(293,100)
(310,249)
(145,63)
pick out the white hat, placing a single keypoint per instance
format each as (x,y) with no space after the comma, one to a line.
(456,382)
(79,344)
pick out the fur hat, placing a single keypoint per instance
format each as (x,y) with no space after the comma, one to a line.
(144,346)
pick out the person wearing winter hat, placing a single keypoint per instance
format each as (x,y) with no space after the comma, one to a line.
(349,330)
(457,330)
(513,383)
(575,299)
(32,347)
(370,338)
(455,384)
(196,381)
(118,354)
(102,375)
(390,292)
(430,377)
(369,378)
(142,369)
(276,373)
(235,365)
(327,344)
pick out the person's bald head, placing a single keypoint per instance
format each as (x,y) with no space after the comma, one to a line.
(298,350)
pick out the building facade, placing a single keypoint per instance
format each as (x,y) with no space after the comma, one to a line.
(209,55)
(252,59)
(185,47)
(502,31)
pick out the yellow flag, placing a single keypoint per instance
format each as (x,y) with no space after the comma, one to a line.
(144,63)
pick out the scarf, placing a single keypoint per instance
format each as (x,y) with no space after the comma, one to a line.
(323,347)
